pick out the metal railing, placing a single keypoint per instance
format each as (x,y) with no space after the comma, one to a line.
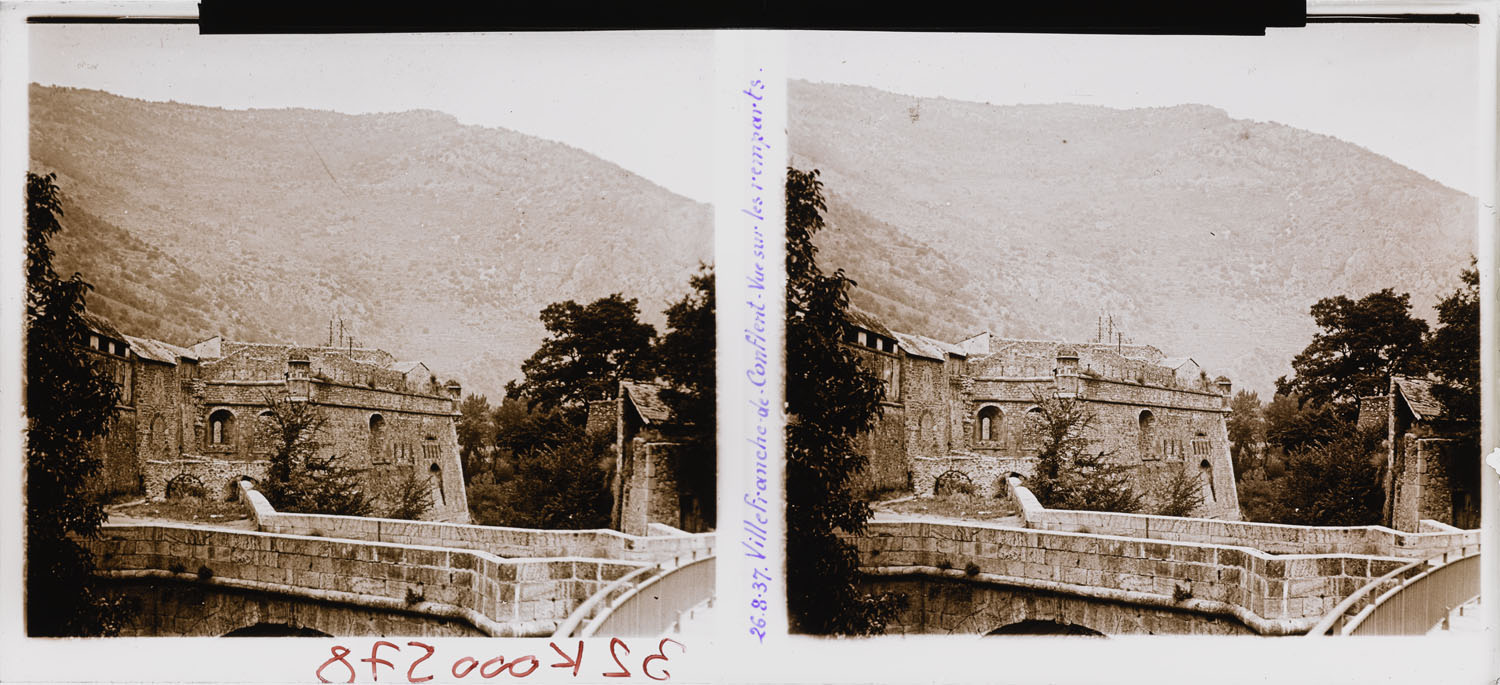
(654,607)
(1410,600)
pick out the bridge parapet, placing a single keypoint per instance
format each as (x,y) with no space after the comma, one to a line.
(501,597)
(1275,538)
(1270,593)
(500,541)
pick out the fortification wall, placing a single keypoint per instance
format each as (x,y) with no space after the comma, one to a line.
(504,542)
(1273,538)
(1273,594)
(503,596)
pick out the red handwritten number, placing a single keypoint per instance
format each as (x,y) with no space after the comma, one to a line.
(411,678)
(623,672)
(338,652)
(472,663)
(646,664)
(374,659)
(575,662)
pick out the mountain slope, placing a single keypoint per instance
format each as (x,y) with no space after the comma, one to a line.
(1201,234)
(431,239)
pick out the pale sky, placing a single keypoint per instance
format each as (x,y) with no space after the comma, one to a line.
(1404,91)
(640,100)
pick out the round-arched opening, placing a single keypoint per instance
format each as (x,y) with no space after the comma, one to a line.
(185,485)
(221,428)
(952,483)
(1032,626)
(437,483)
(987,424)
(1146,425)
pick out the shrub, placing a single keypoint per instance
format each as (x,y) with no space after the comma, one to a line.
(945,565)
(411,496)
(1177,491)
(1181,593)
(204,572)
(177,567)
(414,597)
(972,569)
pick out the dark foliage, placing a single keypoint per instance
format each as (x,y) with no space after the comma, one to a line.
(562,487)
(1453,350)
(298,479)
(1360,344)
(589,350)
(1336,483)
(1178,493)
(1247,431)
(687,363)
(410,496)
(69,403)
(1070,474)
(830,400)
(476,435)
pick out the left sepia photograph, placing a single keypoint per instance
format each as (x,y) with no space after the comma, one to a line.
(368,335)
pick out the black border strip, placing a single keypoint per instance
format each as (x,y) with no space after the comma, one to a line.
(1061,16)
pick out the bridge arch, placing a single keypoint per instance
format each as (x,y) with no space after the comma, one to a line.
(1032,626)
(953,481)
(264,629)
(185,485)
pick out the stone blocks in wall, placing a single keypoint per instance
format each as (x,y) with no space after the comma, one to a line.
(505,591)
(1300,588)
(219,477)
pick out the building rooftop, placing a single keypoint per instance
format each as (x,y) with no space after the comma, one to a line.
(1417,393)
(646,398)
(158,351)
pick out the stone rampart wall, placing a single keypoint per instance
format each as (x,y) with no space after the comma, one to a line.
(505,596)
(986,473)
(1273,594)
(503,542)
(1274,538)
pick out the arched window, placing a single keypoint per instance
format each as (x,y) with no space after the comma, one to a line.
(437,480)
(1146,423)
(377,439)
(221,428)
(987,428)
(1208,479)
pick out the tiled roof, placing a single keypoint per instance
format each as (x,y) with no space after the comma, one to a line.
(867,321)
(646,399)
(1417,393)
(158,351)
(923,346)
(1174,362)
(102,326)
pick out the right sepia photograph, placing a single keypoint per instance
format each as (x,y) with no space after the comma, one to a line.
(1123,335)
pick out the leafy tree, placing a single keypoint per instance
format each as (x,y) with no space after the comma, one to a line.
(297,478)
(1360,345)
(476,434)
(1336,483)
(1247,430)
(561,487)
(1179,492)
(1070,474)
(410,497)
(521,430)
(686,357)
(69,402)
(830,400)
(1453,349)
(1291,425)
(590,349)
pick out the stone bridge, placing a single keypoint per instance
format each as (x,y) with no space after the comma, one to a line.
(1131,574)
(301,574)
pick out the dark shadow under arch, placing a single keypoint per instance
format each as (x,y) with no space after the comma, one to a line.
(275,630)
(1033,626)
